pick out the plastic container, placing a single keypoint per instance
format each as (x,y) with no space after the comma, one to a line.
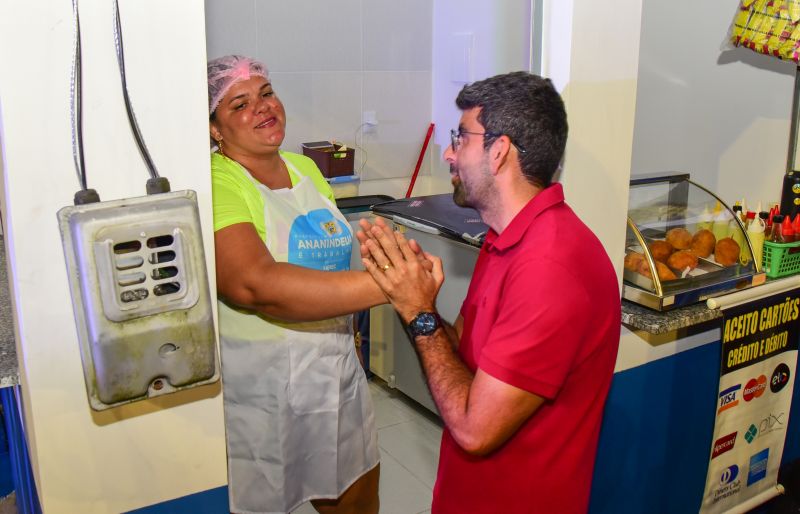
(330,160)
(345,186)
(781,259)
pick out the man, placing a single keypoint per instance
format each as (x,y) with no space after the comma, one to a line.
(521,377)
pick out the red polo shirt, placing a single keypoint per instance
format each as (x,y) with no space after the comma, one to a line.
(542,314)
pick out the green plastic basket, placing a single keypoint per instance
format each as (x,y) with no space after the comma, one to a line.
(781,259)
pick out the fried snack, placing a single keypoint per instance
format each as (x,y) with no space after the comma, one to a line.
(682,259)
(660,250)
(726,252)
(664,273)
(703,243)
(679,238)
(633,260)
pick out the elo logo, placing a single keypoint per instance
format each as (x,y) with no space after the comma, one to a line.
(780,377)
(754,388)
(728,398)
(729,475)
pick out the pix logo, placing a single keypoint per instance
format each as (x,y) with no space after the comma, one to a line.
(729,398)
(724,444)
(751,434)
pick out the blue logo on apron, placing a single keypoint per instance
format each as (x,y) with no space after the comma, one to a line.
(320,241)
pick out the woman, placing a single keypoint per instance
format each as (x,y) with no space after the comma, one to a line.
(298,413)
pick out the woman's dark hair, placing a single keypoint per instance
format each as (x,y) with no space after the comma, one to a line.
(528,109)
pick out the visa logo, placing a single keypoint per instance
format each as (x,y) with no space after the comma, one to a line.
(729,398)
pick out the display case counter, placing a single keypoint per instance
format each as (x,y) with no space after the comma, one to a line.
(9,374)
(654,322)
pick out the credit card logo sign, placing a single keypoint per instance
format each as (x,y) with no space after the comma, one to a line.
(780,377)
(728,484)
(729,398)
(751,434)
(754,388)
(723,444)
(771,423)
(729,475)
(758,466)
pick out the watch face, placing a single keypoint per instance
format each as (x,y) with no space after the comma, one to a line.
(425,323)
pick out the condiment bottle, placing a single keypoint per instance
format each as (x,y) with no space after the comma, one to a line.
(755,231)
(735,230)
(787,231)
(705,219)
(737,211)
(749,219)
(721,221)
(776,234)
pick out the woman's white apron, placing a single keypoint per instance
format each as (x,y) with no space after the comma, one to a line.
(298,413)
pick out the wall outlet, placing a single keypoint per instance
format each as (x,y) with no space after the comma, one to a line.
(369,118)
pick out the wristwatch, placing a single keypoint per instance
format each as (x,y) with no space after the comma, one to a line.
(424,324)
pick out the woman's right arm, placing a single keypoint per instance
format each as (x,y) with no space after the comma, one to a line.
(249,277)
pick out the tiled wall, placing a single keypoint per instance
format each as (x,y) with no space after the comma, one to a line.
(331,61)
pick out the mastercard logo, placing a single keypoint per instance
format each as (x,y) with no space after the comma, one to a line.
(754,388)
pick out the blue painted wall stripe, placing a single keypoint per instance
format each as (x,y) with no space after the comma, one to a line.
(213,501)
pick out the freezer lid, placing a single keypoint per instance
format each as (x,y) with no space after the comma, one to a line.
(436,214)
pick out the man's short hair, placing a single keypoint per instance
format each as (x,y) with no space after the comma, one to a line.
(528,109)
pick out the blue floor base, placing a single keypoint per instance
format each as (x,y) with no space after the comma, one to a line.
(213,501)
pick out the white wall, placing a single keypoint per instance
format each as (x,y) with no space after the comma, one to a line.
(495,36)
(150,451)
(592,53)
(722,114)
(331,61)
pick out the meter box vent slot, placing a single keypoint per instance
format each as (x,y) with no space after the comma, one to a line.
(140,295)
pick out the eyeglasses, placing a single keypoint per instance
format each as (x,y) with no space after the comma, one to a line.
(457,135)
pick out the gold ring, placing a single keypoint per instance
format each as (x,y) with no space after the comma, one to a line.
(386,267)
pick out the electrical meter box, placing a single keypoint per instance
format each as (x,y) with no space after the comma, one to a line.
(140,295)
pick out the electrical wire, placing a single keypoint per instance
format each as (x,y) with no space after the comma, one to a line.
(128,108)
(355,143)
(75,96)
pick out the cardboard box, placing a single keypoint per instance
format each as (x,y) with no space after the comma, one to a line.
(331,161)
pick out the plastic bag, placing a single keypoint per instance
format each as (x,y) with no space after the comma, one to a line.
(770,27)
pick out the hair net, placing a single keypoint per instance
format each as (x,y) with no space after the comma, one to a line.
(226,71)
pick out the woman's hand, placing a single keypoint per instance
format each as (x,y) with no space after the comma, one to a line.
(365,234)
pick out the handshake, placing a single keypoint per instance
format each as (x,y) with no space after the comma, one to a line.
(409,276)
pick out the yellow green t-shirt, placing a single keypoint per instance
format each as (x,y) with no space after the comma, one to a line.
(236,198)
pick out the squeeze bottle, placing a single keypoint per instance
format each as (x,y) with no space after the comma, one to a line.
(704,220)
(735,233)
(720,224)
(755,231)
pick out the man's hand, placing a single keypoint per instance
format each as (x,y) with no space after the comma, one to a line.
(365,233)
(399,268)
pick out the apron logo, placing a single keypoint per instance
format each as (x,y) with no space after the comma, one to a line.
(320,241)
(330,227)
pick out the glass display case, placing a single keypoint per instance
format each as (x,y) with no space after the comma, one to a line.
(695,242)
